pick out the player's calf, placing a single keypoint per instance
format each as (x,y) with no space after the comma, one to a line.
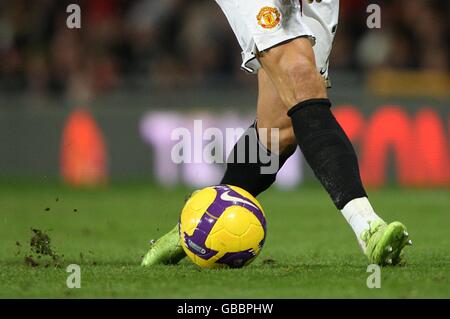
(247,170)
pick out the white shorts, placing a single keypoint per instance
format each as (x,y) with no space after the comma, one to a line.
(262,24)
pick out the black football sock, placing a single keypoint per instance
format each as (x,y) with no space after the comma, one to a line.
(327,150)
(251,166)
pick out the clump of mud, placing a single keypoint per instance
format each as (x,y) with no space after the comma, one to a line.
(41,252)
(269,262)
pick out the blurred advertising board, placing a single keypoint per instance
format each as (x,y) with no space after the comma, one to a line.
(91,147)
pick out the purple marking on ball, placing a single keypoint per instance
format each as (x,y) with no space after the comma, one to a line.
(200,250)
(244,202)
(238,259)
(197,242)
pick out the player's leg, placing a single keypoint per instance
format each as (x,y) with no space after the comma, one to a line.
(246,174)
(254,163)
(327,149)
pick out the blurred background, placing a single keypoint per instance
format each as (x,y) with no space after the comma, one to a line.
(99,103)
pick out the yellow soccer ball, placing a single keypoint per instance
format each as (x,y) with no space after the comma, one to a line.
(222,226)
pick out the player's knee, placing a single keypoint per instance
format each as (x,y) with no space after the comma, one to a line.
(293,70)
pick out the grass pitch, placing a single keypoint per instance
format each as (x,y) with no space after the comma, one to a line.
(310,251)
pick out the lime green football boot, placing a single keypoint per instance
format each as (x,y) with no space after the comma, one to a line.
(165,251)
(384,243)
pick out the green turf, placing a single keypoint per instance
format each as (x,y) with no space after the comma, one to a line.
(310,251)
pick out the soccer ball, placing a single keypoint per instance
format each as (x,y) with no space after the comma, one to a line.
(222,226)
